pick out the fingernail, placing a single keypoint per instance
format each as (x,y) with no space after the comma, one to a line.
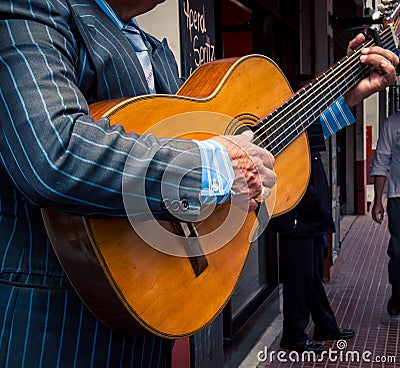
(365,50)
(363,57)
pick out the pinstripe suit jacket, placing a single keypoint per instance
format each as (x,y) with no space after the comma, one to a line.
(56,57)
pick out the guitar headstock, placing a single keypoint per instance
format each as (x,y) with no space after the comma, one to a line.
(387,8)
(389,11)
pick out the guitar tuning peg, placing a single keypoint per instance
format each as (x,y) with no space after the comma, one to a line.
(381,8)
(377,15)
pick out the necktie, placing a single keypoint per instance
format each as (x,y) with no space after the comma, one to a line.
(142,52)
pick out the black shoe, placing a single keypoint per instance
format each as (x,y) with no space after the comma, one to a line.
(307,345)
(339,334)
(393,306)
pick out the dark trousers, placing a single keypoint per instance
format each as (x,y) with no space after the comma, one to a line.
(302,262)
(393,211)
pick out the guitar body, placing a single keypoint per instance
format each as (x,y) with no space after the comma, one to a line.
(129,285)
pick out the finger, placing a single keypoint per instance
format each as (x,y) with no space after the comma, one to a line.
(269,180)
(396,60)
(391,57)
(389,72)
(265,175)
(263,163)
(253,204)
(373,59)
(380,64)
(377,216)
(355,42)
(248,134)
(380,51)
(265,193)
(255,150)
(375,54)
(268,159)
(383,76)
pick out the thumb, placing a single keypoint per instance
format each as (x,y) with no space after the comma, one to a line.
(248,134)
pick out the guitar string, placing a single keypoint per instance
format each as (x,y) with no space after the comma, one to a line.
(350,61)
(298,95)
(284,113)
(321,77)
(349,58)
(305,115)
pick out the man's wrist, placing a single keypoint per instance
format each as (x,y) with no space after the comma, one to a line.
(217,173)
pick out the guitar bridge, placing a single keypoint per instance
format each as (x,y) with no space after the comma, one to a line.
(192,246)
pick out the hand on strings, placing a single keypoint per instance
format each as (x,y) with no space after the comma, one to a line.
(383,65)
(253,167)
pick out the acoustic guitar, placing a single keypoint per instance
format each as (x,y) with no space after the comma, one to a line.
(132,287)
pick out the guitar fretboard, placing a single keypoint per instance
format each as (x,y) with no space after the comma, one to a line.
(281,127)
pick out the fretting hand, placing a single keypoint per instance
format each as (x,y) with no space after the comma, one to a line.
(383,65)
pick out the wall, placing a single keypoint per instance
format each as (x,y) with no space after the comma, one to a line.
(371,116)
(163,22)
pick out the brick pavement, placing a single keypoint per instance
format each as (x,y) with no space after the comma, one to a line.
(359,291)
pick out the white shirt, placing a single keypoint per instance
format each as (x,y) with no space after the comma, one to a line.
(387,155)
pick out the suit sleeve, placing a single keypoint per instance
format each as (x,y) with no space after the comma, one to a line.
(54,151)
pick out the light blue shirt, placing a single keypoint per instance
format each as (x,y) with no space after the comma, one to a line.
(387,155)
(336,117)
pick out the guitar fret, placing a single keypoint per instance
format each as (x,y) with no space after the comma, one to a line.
(304,102)
(295,115)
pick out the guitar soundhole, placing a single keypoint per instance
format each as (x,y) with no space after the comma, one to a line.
(245,122)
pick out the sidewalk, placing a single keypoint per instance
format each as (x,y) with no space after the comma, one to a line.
(358,291)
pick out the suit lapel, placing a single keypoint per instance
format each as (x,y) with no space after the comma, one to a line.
(118,70)
(164,66)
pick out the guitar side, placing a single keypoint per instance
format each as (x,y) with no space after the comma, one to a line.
(128,284)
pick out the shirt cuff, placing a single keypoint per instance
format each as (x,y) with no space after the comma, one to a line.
(217,172)
(336,117)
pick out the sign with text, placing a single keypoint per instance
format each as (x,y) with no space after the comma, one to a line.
(197,31)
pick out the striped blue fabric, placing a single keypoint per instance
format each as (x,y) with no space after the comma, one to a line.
(217,173)
(111,13)
(217,170)
(142,52)
(55,59)
(336,117)
(137,38)
(50,327)
(120,78)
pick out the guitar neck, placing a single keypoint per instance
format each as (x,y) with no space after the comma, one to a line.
(281,127)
